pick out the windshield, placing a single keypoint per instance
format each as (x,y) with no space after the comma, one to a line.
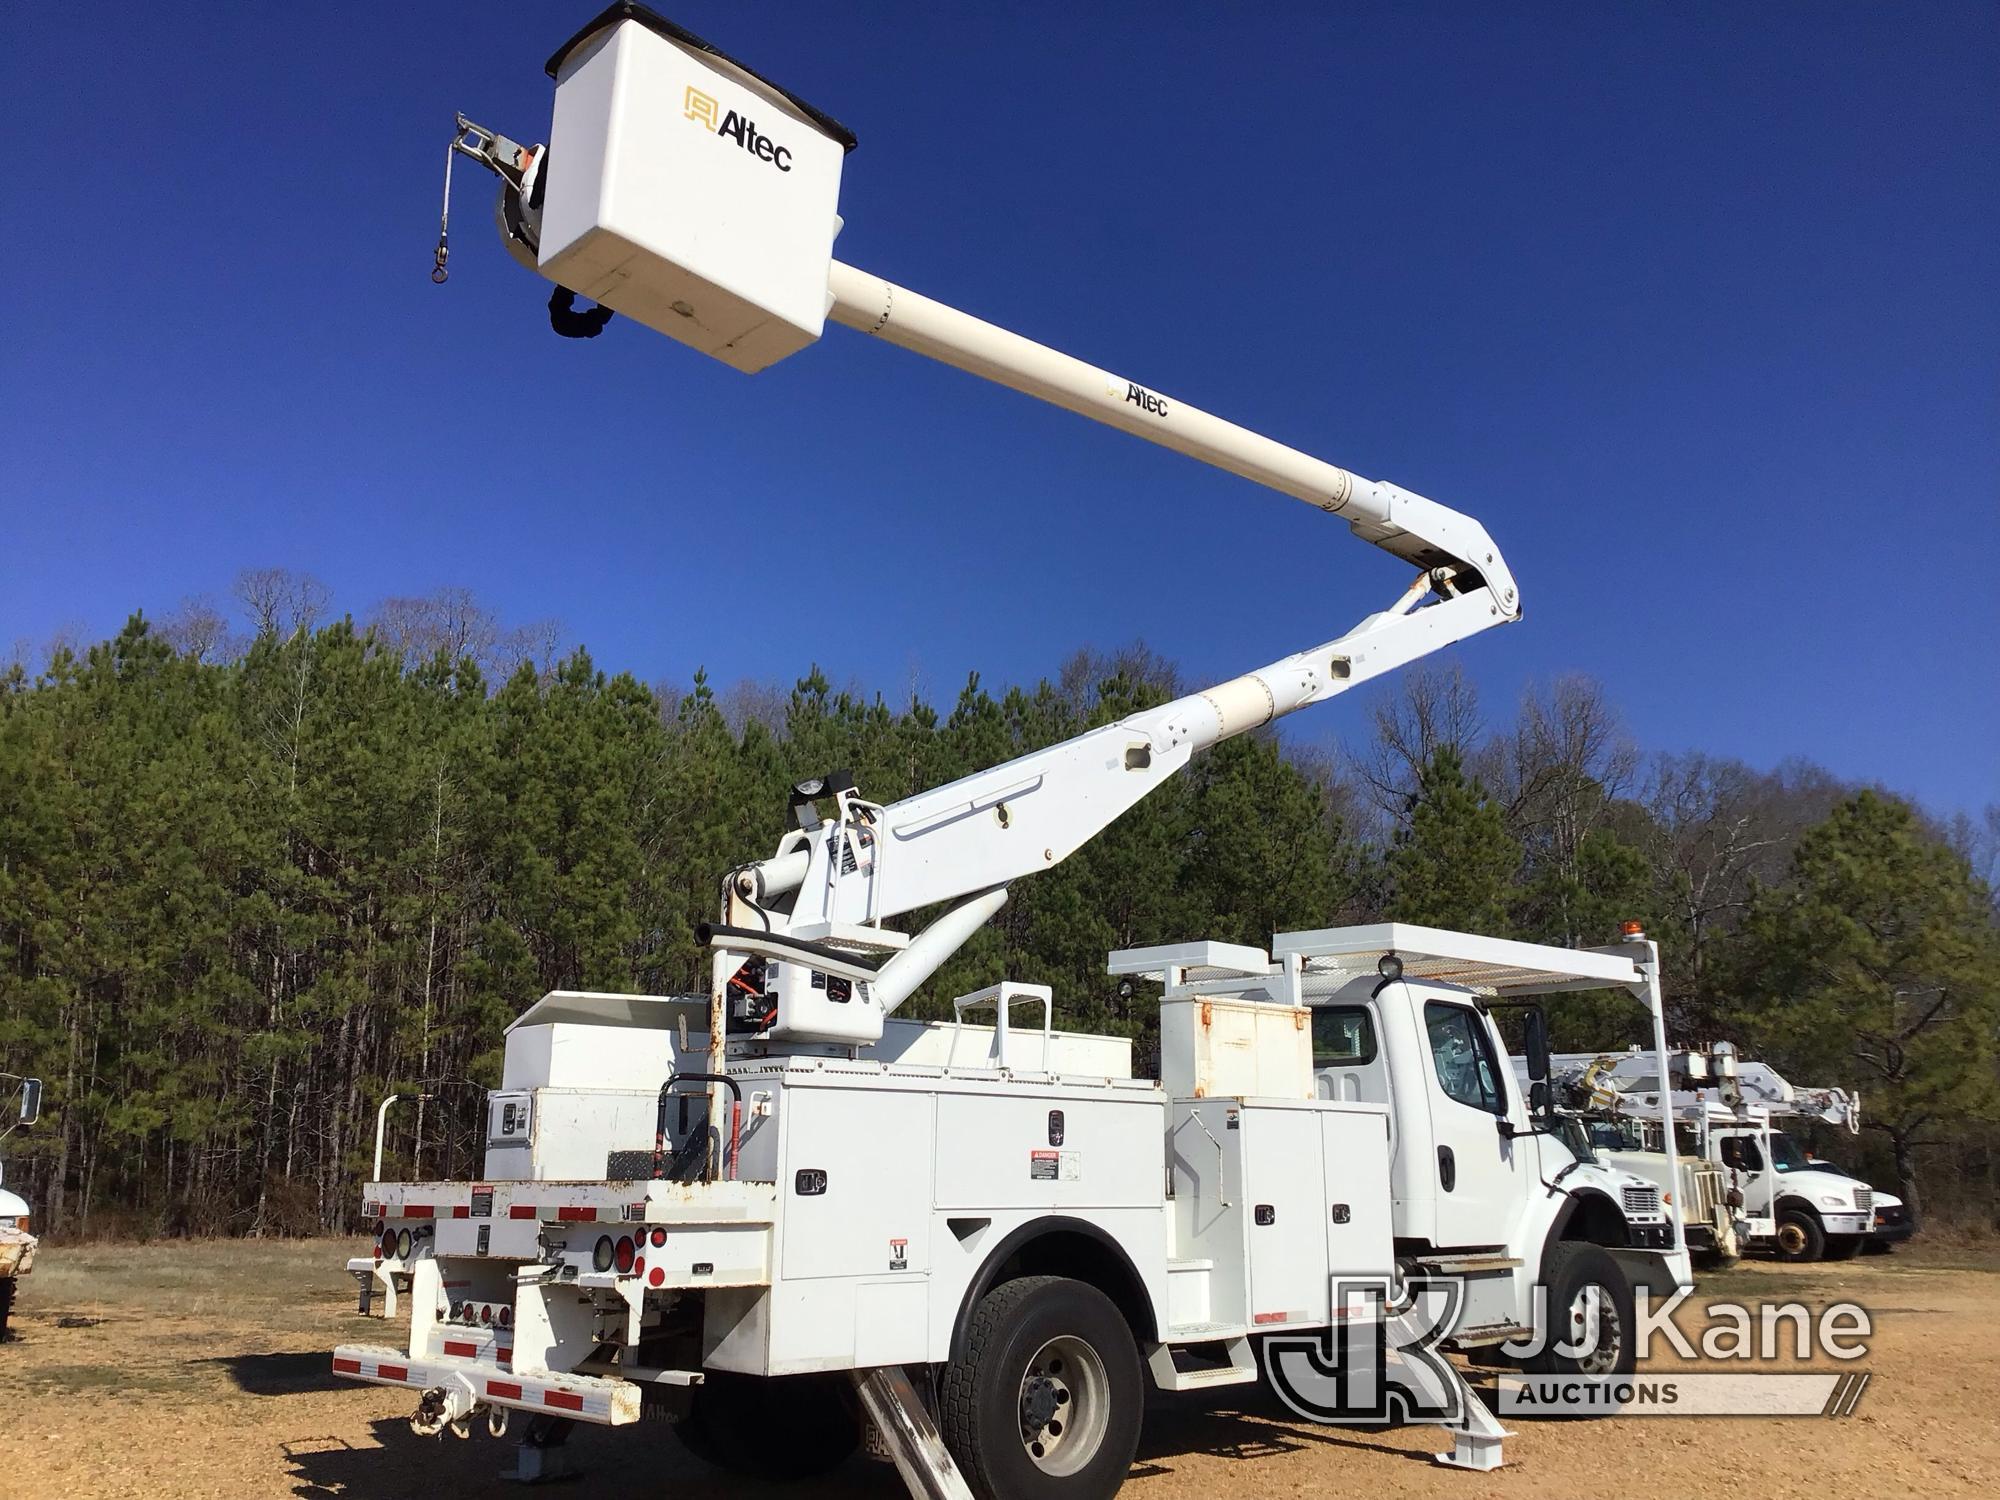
(1618,1134)
(1786,1155)
(1569,1130)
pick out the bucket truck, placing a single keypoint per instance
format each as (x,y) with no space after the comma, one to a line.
(1800,1208)
(784,1217)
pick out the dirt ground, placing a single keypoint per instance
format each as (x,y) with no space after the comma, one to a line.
(202,1369)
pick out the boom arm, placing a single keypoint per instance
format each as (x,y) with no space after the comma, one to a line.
(667,201)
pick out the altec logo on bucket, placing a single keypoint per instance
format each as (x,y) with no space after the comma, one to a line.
(703,110)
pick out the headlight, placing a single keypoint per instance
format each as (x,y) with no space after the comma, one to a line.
(1829,1200)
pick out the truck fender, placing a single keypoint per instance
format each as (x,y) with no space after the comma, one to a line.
(1600,1213)
(1062,1246)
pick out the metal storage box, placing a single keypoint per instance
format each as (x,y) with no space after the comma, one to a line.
(1241,1049)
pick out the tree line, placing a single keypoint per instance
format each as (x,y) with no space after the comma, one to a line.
(249,885)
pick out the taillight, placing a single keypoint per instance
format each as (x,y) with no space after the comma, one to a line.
(659,1238)
(403,1243)
(388,1244)
(486,1313)
(624,1254)
(507,1317)
(458,1312)
(600,1257)
(659,1276)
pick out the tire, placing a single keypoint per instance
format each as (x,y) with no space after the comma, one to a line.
(1844,1246)
(6,1305)
(1047,1402)
(1577,1274)
(789,1428)
(1800,1238)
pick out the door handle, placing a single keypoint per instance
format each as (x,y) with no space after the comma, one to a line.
(1447,1169)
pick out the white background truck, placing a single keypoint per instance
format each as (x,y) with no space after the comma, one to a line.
(17,1240)
(1799,1208)
(748,1208)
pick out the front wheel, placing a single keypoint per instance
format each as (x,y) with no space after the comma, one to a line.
(1592,1322)
(1800,1238)
(1047,1401)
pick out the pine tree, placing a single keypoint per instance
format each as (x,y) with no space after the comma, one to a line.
(1878,962)
(1452,863)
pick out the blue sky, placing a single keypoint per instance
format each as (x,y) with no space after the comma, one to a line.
(1695,306)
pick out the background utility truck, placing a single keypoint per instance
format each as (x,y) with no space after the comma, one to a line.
(742,1207)
(17,1239)
(1800,1208)
(1713,1143)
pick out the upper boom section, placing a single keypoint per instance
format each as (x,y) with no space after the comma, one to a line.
(696,197)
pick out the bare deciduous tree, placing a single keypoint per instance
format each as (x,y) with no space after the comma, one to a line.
(1431,707)
(280,601)
(199,629)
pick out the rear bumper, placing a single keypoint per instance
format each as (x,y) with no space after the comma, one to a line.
(609,1402)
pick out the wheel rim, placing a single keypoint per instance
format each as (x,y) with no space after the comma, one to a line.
(1594,1328)
(1791,1239)
(1065,1406)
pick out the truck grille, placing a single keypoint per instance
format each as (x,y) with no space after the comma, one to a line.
(1864,1199)
(1642,1200)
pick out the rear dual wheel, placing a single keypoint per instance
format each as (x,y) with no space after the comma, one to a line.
(1047,1402)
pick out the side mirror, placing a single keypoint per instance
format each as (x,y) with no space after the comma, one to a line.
(31,1100)
(1535,1042)
(1538,1096)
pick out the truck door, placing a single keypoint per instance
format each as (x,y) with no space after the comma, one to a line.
(1743,1165)
(1480,1175)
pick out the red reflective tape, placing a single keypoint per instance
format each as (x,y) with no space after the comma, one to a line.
(467,1351)
(562,1399)
(574,1215)
(521,1211)
(1271,1317)
(461,1211)
(393,1372)
(347,1367)
(506,1356)
(416,1211)
(505,1390)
